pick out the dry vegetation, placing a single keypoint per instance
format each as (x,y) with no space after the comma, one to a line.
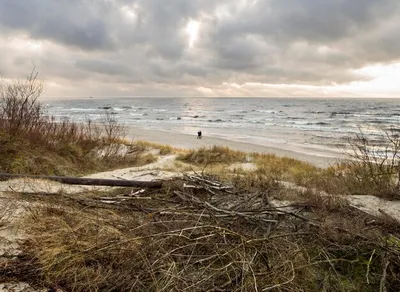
(373,168)
(32,142)
(201,235)
(163,148)
(212,155)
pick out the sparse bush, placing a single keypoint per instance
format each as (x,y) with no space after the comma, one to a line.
(112,129)
(20,112)
(373,166)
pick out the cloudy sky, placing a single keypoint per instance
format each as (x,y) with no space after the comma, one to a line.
(204,47)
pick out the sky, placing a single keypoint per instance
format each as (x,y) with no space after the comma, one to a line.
(255,48)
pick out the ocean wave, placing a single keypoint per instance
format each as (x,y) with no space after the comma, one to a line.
(266,111)
(216,121)
(79,109)
(119,109)
(341,113)
(378,121)
(391,129)
(315,112)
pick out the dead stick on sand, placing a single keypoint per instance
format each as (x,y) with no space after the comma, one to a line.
(87,181)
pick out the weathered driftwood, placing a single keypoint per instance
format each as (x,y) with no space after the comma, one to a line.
(87,181)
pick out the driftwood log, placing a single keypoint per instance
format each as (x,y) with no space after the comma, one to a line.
(87,181)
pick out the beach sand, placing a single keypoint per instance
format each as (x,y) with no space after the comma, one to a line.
(179,140)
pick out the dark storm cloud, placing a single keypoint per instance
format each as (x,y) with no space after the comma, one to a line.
(316,42)
(345,26)
(71,22)
(312,20)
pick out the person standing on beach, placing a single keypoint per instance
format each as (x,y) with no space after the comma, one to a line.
(199,135)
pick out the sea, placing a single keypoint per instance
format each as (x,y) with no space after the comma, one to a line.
(311,125)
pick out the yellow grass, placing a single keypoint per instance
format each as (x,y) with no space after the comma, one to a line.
(164,148)
(212,155)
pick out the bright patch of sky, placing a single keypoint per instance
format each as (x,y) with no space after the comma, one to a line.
(192,30)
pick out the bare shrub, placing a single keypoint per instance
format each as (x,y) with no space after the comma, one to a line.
(373,167)
(112,129)
(19,110)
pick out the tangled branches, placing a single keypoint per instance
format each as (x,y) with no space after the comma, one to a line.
(199,234)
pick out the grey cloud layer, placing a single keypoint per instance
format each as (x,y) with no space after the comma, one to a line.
(271,41)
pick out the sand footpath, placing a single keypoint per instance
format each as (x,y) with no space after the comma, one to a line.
(179,140)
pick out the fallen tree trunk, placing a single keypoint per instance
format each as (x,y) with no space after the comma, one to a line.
(87,181)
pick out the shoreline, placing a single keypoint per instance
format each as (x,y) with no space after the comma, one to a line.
(185,141)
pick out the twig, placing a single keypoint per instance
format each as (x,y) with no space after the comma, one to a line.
(132,194)
(368,266)
(382,285)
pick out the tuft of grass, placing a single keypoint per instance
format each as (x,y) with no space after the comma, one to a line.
(163,148)
(212,155)
(287,169)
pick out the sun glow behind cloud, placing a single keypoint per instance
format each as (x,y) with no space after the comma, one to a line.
(192,29)
(129,12)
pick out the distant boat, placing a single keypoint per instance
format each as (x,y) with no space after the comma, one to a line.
(91,97)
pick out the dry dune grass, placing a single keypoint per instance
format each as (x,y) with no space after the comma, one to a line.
(287,169)
(361,174)
(203,235)
(212,155)
(163,148)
